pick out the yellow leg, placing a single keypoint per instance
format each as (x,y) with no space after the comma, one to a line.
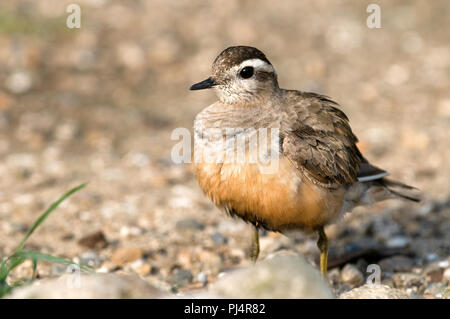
(322,243)
(254,252)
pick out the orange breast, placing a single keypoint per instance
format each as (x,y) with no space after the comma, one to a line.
(280,200)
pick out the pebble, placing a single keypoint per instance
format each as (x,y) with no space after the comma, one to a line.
(130,55)
(352,275)
(203,278)
(107,266)
(5,101)
(398,242)
(219,239)
(189,223)
(19,82)
(426,208)
(133,231)
(334,275)
(396,264)
(123,256)
(384,228)
(237,255)
(408,280)
(374,292)
(140,267)
(433,272)
(96,240)
(181,277)
(90,259)
(210,260)
(184,258)
(58,270)
(435,289)
(446,275)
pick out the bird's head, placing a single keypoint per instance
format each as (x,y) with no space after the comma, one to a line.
(241,74)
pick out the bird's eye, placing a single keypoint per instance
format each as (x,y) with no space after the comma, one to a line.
(246,72)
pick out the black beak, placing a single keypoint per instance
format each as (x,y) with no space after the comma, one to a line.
(206,84)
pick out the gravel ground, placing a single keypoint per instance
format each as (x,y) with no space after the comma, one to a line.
(99,103)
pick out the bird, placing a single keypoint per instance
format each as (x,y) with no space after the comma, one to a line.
(320,173)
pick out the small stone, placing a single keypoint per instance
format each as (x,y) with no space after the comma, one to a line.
(107,266)
(433,272)
(374,292)
(210,260)
(126,231)
(334,275)
(352,275)
(85,216)
(435,289)
(396,264)
(130,55)
(189,223)
(19,82)
(219,239)
(90,259)
(143,269)
(203,278)
(126,255)
(184,258)
(396,74)
(95,240)
(426,208)
(236,255)
(446,275)
(58,270)
(181,277)
(5,101)
(408,280)
(398,242)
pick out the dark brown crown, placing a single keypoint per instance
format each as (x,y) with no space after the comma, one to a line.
(236,55)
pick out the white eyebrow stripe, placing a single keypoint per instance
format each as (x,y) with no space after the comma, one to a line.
(257,64)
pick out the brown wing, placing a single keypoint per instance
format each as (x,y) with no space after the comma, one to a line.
(318,140)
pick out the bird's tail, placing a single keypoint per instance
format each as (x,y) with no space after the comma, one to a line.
(369,192)
(401,190)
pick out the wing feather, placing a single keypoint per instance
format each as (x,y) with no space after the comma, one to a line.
(318,140)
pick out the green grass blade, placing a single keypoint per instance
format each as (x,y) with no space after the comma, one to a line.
(46,214)
(34,275)
(4,289)
(36,256)
(3,273)
(9,264)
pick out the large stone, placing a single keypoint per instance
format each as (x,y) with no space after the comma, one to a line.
(70,286)
(280,276)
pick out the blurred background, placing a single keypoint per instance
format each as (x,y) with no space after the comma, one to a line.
(98,104)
